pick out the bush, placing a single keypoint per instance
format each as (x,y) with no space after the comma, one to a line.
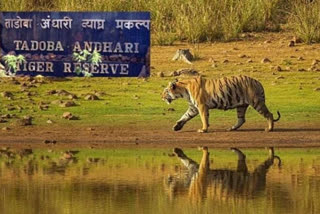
(187,20)
(305,20)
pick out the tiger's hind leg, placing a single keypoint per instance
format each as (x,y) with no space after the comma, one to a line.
(242,165)
(263,110)
(241,113)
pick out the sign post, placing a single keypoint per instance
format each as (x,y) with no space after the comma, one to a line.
(49,39)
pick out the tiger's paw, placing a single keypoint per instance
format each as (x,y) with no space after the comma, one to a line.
(202,130)
(178,126)
(268,130)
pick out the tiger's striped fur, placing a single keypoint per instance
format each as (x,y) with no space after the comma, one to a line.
(225,93)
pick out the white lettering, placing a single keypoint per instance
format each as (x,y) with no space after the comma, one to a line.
(67,67)
(77,47)
(118,48)
(124,69)
(17,43)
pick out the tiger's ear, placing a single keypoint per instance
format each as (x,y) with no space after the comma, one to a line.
(173,85)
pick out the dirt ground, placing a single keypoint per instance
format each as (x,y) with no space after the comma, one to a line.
(253,135)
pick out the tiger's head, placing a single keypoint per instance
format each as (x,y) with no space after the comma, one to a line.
(174,91)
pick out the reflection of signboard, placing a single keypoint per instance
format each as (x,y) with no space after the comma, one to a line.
(48,40)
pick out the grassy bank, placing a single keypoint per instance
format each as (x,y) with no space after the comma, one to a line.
(199,21)
(294,90)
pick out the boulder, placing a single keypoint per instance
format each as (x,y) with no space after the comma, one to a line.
(184,55)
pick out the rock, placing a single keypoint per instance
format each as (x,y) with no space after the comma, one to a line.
(250,61)
(184,55)
(291,43)
(43,107)
(69,116)
(317,89)
(100,94)
(187,72)
(7,94)
(267,42)
(10,108)
(46,141)
(301,69)
(171,109)
(63,92)
(265,60)
(3,120)
(242,56)
(6,116)
(174,74)
(136,97)
(57,102)
(300,58)
(312,68)
(280,78)
(214,65)
(315,62)
(68,103)
(49,121)
(184,72)
(211,60)
(160,74)
(25,121)
(5,128)
(276,68)
(19,108)
(91,97)
(67,156)
(66,115)
(72,97)
(297,39)
(51,92)
(225,61)
(49,141)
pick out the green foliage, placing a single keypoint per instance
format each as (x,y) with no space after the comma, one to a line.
(85,56)
(184,20)
(305,20)
(11,62)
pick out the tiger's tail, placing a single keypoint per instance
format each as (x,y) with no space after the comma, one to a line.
(279,116)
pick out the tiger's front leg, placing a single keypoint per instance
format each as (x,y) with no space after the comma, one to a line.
(190,113)
(204,114)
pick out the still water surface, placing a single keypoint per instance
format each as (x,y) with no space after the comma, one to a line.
(151,181)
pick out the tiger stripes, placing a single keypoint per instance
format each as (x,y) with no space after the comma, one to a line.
(225,93)
(201,181)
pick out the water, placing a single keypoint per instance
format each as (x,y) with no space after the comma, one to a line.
(150,181)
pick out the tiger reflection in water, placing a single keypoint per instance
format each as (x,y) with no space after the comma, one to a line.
(202,182)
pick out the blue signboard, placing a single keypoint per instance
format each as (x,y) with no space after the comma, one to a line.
(48,41)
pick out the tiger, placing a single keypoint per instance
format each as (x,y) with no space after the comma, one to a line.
(202,181)
(225,93)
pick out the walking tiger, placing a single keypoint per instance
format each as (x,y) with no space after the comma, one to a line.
(225,93)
